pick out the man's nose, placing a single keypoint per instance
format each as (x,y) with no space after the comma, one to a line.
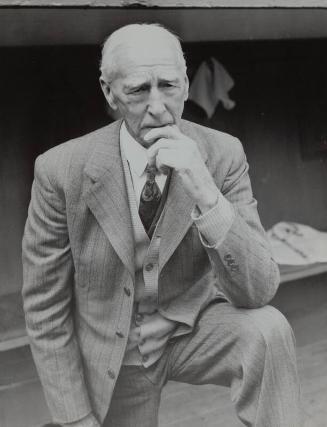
(156,104)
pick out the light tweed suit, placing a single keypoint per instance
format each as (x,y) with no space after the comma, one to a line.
(78,266)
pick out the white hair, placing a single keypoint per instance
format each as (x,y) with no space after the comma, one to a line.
(118,38)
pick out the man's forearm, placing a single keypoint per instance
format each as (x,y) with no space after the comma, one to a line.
(242,260)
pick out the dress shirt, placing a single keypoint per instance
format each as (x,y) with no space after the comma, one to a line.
(137,158)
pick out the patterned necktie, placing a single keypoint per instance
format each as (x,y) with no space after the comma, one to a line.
(150,198)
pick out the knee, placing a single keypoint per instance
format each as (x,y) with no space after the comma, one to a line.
(269,328)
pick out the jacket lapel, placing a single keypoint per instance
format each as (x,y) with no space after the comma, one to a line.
(176,221)
(179,205)
(106,195)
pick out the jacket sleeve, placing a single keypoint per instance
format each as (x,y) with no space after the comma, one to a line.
(236,242)
(48,275)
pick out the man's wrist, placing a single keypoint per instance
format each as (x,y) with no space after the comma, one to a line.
(214,224)
(208,202)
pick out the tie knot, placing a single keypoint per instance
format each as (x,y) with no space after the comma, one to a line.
(151,172)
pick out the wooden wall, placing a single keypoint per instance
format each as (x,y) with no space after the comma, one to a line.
(51,94)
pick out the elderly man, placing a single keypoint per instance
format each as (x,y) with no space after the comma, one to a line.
(145,260)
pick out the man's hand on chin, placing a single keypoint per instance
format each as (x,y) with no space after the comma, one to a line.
(173,149)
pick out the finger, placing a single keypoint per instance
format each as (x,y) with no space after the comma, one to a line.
(167,158)
(161,166)
(162,132)
(160,144)
(152,345)
(155,325)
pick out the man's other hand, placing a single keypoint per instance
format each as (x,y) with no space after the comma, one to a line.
(156,331)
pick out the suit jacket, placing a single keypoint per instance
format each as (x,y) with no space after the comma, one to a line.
(78,262)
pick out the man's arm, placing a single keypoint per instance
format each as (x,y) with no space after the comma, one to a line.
(236,242)
(227,219)
(48,276)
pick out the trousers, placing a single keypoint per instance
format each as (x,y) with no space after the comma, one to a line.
(252,351)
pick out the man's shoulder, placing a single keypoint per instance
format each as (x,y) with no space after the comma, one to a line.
(212,140)
(64,164)
(81,147)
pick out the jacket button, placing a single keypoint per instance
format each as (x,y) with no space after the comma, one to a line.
(120,334)
(145,358)
(111,374)
(149,266)
(127,292)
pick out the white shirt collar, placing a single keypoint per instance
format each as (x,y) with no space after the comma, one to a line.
(134,152)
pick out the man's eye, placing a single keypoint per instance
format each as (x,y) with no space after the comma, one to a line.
(138,90)
(167,85)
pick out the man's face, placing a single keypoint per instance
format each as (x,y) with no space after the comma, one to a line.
(149,88)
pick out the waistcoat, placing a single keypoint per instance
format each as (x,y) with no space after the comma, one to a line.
(146,259)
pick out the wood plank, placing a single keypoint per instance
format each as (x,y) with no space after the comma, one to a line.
(310,270)
(165,3)
(12,322)
(17,368)
(14,343)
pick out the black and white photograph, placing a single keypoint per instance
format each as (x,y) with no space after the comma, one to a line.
(163,213)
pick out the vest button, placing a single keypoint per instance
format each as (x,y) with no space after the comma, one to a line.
(111,374)
(127,292)
(149,266)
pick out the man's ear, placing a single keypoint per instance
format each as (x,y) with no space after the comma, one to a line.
(108,94)
(186,89)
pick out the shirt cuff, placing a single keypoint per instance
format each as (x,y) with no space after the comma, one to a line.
(214,224)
